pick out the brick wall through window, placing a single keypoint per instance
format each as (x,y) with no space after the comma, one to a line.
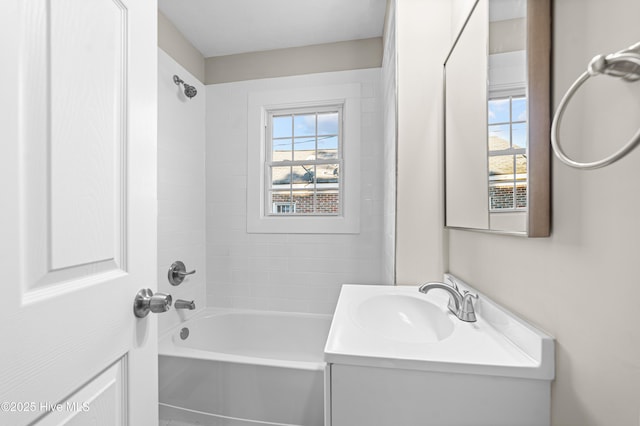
(327,202)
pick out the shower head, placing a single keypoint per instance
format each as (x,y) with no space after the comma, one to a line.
(189,91)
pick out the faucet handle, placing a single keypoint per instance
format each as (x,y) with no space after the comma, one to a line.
(177,273)
(467,311)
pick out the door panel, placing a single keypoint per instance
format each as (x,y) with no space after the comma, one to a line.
(87,140)
(78,216)
(74,141)
(99,402)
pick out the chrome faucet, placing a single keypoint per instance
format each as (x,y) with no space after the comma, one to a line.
(460,304)
(184,304)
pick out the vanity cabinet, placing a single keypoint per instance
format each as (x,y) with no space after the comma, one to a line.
(398,357)
(375,396)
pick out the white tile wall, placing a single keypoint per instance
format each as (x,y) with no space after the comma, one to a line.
(181,187)
(289,272)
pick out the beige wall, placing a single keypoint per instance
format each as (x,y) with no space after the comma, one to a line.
(507,36)
(423,40)
(581,284)
(341,56)
(179,48)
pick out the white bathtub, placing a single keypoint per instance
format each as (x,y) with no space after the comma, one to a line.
(241,368)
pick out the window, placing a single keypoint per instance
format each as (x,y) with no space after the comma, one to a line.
(303,161)
(303,169)
(507,140)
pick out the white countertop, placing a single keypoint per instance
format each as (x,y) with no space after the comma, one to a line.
(498,343)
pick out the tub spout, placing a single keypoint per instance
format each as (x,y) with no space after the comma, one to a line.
(184,304)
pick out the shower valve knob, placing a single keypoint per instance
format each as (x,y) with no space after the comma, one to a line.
(177,272)
(146,302)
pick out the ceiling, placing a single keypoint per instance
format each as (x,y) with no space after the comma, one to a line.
(226,27)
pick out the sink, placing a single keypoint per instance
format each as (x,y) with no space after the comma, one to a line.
(398,356)
(399,327)
(403,318)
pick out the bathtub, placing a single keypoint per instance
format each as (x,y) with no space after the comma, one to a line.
(244,368)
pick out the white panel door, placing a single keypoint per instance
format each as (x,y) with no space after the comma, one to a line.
(78,211)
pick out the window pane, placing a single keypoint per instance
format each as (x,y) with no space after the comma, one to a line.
(501,182)
(328,123)
(304,201)
(304,149)
(498,111)
(303,176)
(501,196)
(281,202)
(328,201)
(327,173)
(304,125)
(519,109)
(281,150)
(519,135)
(327,147)
(280,177)
(521,195)
(282,126)
(499,137)
(521,167)
(501,168)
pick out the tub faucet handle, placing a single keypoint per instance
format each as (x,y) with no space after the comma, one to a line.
(177,272)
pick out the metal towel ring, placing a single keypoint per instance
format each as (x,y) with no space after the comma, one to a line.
(624,64)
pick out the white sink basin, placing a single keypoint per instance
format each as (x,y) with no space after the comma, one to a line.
(399,327)
(403,318)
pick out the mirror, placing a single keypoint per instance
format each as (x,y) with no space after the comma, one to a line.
(497,120)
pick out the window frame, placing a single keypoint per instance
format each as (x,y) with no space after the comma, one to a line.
(270,163)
